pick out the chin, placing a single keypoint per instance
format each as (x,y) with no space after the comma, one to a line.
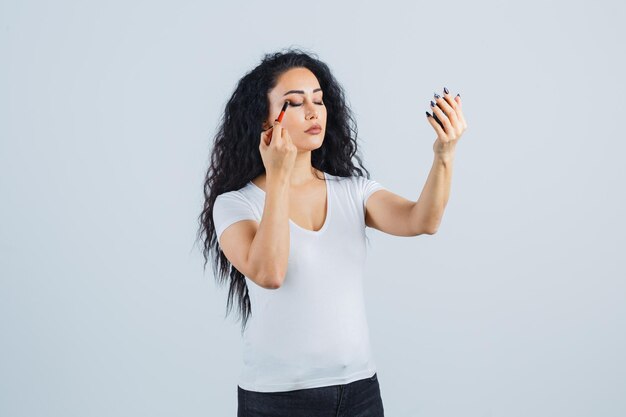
(311,144)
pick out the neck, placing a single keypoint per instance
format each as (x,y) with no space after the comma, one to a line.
(303,172)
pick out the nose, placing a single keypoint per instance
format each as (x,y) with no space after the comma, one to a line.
(311,112)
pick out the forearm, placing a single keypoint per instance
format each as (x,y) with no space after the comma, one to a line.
(428,210)
(269,250)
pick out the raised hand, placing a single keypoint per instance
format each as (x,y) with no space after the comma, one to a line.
(448,121)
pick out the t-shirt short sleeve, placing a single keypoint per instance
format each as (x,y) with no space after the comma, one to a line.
(229,208)
(366,188)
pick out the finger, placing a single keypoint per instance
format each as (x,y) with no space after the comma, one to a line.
(277,132)
(447,109)
(435,125)
(448,105)
(437,120)
(458,101)
(449,100)
(432,103)
(287,136)
(443,118)
(266,136)
(459,110)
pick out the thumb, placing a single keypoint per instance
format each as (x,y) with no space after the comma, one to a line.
(264,137)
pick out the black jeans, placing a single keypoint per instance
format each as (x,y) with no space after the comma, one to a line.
(357,399)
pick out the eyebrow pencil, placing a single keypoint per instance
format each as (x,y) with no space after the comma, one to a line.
(279,119)
(282,112)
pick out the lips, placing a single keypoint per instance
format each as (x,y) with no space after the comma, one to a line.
(314,129)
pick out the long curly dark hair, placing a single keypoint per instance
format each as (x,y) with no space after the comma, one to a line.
(236,159)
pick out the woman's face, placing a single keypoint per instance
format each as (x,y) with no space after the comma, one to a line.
(300,87)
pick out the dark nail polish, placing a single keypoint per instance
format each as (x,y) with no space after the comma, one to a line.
(445,90)
(432,103)
(437,120)
(437,95)
(428,114)
(458,95)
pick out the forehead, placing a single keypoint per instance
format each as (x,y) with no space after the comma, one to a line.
(296,79)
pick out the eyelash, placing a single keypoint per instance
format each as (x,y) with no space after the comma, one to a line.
(321,103)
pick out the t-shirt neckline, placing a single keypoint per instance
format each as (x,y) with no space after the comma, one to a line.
(328,207)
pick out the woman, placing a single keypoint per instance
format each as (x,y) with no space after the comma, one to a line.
(285,214)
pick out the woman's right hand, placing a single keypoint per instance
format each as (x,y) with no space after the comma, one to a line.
(277,151)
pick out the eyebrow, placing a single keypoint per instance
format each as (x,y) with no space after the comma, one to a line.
(300,91)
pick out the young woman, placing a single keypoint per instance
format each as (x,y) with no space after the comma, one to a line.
(284,220)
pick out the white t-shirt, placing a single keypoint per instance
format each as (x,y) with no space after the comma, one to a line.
(312,331)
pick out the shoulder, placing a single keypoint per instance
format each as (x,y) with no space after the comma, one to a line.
(245,199)
(362,185)
(231,196)
(244,195)
(356,183)
(233,206)
(344,181)
(357,187)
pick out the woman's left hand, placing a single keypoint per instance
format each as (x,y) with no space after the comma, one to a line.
(449,111)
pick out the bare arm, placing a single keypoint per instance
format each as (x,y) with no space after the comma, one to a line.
(269,251)
(428,210)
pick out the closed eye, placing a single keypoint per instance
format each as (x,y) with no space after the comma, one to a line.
(300,104)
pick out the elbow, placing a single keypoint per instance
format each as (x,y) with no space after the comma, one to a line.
(427,230)
(432,230)
(272,284)
(273,279)
(424,226)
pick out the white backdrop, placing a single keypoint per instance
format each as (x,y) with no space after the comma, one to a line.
(514,308)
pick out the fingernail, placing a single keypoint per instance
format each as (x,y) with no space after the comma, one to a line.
(437,95)
(445,90)
(432,103)
(458,95)
(428,114)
